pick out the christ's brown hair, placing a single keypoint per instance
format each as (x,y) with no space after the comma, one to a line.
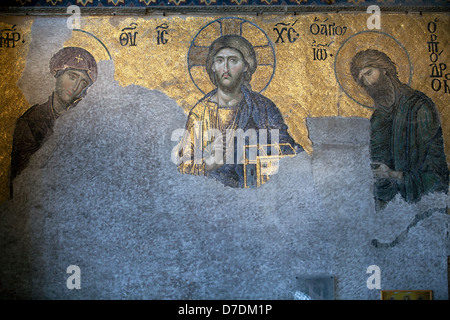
(238,43)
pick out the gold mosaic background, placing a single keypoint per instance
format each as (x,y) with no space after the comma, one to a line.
(301,86)
(12,102)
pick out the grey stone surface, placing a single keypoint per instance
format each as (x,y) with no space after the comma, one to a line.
(103,194)
(339,131)
(36,82)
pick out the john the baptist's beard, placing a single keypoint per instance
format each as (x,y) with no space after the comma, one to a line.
(382,91)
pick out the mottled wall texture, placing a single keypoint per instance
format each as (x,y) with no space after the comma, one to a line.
(189,156)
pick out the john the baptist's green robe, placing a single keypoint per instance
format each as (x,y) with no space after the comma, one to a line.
(408,138)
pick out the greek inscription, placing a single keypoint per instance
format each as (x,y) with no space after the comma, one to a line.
(320,51)
(128,36)
(162,34)
(319,54)
(326,29)
(286,29)
(9,37)
(440,79)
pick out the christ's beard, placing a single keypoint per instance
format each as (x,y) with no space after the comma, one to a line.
(232,87)
(382,92)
